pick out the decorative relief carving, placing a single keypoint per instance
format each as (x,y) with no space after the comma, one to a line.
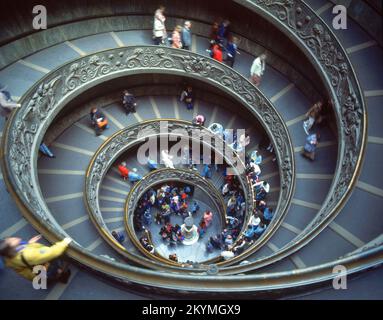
(307,27)
(40,106)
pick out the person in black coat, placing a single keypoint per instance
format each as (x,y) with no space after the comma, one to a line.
(129,102)
(98,120)
(187,96)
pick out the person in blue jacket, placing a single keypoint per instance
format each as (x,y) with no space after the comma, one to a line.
(46,151)
(153,165)
(194,208)
(259,229)
(206,172)
(134,176)
(119,236)
(147,217)
(268,214)
(186,36)
(231,50)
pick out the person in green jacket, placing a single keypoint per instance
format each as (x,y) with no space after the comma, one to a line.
(22,257)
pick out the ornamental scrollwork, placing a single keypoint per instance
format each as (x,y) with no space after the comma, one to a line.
(46,99)
(324,50)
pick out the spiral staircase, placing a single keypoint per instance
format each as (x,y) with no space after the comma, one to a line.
(327,211)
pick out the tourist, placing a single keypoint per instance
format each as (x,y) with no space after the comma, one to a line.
(229,240)
(232,221)
(225,189)
(202,228)
(209,247)
(262,190)
(152,165)
(123,170)
(258,69)
(216,52)
(310,146)
(261,205)
(207,172)
(249,232)
(231,51)
(186,36)
(216,128)
(176,37)
(254,169)
(208,217)
(240,246)
(187,96)
(199,120)
(314,116)
(173,257)
(158,218)
(98,120)
(167,159)
(6,102)
(223,31)
(254,220)
(159,29)
(145,243)
(254,157)
(216,242)
(268,214)
(259,230)
(194,208)
(46,151)
(147,217)
(214,34)
(242,143)
(129,102)
(227,254)
(134,176)
(22,257)
(119,236)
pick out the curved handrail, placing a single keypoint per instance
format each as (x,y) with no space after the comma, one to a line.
(120,142)
(43,102)
(370,257)
(162,176)
(319,43)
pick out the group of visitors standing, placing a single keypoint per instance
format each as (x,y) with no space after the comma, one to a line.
(181,35)
(223,45)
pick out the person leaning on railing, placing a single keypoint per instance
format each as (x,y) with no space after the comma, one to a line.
(22,257)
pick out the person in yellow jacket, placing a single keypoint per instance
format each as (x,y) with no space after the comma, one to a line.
(22,256)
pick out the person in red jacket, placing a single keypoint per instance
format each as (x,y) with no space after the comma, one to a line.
(124,171)
(217,53)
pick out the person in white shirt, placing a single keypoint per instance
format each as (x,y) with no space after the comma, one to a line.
(167,159)
(159,29)
(258,69)
(226,255)
(254,220)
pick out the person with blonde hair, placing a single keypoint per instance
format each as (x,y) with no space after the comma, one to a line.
(159,29)
(176,37)
(257,69)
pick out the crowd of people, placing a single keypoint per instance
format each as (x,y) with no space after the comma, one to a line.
(231,241)
(158,206)
(170,200)
(223,45)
